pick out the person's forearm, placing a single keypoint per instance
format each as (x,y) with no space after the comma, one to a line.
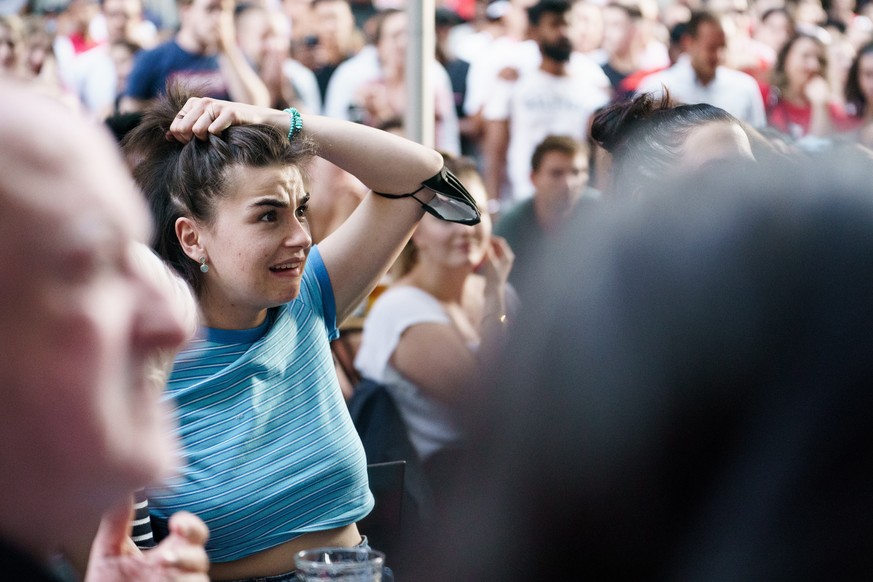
(271,75)
(243,83)
(495,300)
(402,165)
(820,120)
(495,143)
(360,251)
(493,327)
(494,169)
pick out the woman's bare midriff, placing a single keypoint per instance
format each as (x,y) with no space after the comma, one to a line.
(280,559)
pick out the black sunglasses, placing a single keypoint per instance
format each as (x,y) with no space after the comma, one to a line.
(451,203)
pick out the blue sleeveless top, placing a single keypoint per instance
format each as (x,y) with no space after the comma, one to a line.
(270,451)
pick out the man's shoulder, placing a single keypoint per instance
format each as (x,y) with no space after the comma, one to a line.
(735,78)
(168,47)
(582,66)
(163,55)
(654,80)
(538,80)
(514,221)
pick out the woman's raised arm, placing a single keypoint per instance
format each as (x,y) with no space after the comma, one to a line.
(360,251)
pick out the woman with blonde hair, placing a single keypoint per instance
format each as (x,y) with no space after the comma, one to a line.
(425,336)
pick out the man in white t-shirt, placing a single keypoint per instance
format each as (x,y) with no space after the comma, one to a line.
(557,98)
(699,77)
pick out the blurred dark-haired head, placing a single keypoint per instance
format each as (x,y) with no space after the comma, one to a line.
(688,397)
(548,26)
(704,42)
(651,139)
(536,11)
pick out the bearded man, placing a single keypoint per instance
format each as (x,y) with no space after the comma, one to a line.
(554,99)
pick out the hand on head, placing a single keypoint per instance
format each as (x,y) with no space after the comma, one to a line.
(202,116)
(226,26)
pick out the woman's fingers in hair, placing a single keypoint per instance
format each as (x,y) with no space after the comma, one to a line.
(202,116)
(198,118)
(222,119)
(181,127)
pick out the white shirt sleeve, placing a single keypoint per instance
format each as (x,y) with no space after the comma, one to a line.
(396,310)
(96,80)
(304,82)
(498,106)
(653,83)
(345,81)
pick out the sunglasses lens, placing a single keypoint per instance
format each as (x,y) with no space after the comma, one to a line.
(453,210)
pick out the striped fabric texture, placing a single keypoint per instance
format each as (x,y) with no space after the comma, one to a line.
(270,451)
(141,527)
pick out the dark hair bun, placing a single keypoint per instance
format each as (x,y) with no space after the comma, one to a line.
(611,126)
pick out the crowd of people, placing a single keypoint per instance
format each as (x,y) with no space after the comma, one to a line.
(505,73)
(620,304)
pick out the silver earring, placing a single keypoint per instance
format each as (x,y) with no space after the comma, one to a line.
(203,266)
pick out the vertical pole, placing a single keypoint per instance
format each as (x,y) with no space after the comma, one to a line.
(419,120)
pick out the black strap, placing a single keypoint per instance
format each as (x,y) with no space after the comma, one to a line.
(396,196)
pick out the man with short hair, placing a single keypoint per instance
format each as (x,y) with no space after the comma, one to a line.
(622,43)
(203,54)
(559,173)
(80,329)
(699,77)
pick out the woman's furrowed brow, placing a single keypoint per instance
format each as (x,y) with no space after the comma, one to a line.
(269,203)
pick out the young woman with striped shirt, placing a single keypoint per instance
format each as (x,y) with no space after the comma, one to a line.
(271,460)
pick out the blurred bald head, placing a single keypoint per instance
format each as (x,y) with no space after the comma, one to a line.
(78,326)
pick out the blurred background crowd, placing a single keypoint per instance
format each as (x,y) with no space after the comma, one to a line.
(806,65)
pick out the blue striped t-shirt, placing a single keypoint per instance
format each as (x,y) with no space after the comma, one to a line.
(270,451)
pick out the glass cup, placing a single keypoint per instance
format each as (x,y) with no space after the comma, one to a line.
(344,564)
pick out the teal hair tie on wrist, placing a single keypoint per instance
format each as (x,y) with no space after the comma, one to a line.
(296,122)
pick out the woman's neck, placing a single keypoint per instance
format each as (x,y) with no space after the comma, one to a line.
(222,315)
